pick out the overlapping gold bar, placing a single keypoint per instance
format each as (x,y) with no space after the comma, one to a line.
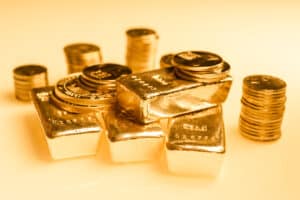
(157,94)
(195,144)
(67,134)
(129,141)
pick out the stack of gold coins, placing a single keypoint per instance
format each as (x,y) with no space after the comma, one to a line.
(200,66)
(27,77)
(166,60)
(141,49)
(81,55)
(103,76)
(263,105)
(93,90)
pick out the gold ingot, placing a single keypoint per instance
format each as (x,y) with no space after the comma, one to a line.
(195,144)
(129,141)
(157,94)
(67,134)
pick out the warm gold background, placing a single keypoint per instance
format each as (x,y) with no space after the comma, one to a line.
(255,37)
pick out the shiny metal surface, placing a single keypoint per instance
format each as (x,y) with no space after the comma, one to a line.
(263,106)
(199,131)
(120,128)
(157,94)
(27,77)
(81,55)
(67,134)
(141,49)
(130,141)
(195,143)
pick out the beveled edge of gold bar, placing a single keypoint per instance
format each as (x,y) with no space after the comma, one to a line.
(218,147)
(63,123)
(119,128)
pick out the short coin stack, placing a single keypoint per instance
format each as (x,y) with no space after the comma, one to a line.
(103,76)
(200,66)
(93,90)
(263,105)
(81,55)
(27,77)
(166,60)
(141,49)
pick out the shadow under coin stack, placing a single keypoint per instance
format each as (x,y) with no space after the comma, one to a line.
(141,49)
(191,102)
(81,55)
(263,105)
(27,77)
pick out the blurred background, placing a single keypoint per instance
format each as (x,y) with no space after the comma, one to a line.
(253,36)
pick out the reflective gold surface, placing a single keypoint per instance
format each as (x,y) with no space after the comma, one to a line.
(159,93)
(67,134)
(129,141)
(195,143)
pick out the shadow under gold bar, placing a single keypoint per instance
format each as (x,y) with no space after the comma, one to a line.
(67,134)
(157,94)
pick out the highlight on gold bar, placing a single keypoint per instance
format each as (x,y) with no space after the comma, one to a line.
(157,94)
(195,144)
(129,141)
(67,134)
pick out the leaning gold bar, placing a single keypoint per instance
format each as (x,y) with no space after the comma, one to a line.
(157,94)
(129,141)
(195,144)
(67,134)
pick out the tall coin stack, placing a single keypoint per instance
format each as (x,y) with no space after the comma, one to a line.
(141,49)
(263,105)
(93,90)
(27,77)
(200,66)
(81,55)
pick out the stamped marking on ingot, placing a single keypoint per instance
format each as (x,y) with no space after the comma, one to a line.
(194,127)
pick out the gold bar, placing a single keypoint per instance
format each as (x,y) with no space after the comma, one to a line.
(157,94)
(195,144)
(129,141)
(67,134)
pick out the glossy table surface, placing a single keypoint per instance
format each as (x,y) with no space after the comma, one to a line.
(254,37)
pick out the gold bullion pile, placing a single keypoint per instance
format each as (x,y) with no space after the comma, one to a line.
(27,77)
(128,101)
(263,105)
(92,90)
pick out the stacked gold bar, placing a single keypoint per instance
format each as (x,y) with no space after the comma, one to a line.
(27,77)
(195,143)
(141,49)
(190,95)
(157,94)
(67,134)
(81,55)
(263,105)
(70,111)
